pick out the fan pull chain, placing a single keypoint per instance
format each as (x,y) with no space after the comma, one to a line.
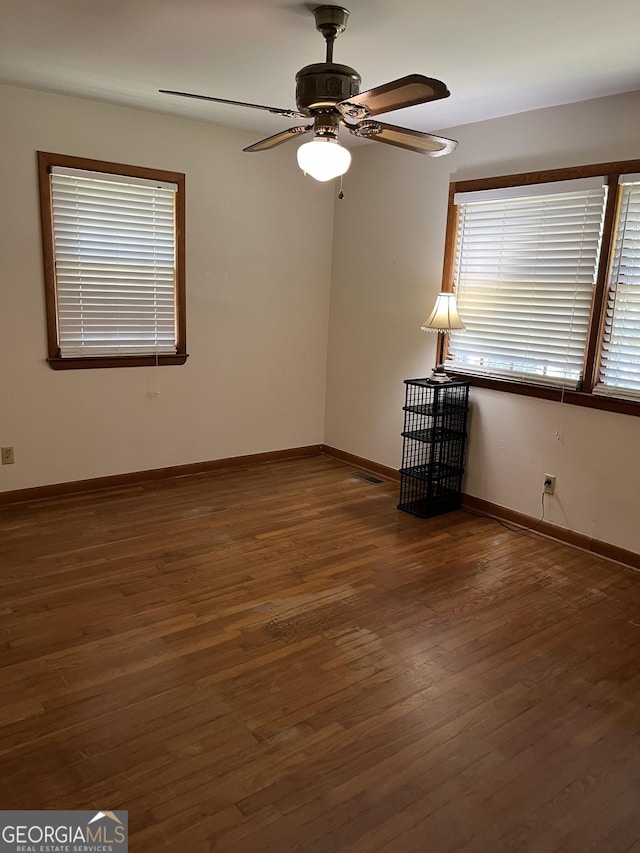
(341,194)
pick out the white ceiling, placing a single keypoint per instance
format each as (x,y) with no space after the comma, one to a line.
(497,56)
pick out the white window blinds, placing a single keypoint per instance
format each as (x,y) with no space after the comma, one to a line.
(620,355)
(114,245)
(525,269)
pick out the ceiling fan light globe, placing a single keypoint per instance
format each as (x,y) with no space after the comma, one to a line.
(323,159)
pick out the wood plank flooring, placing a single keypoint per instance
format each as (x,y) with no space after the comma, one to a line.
(276,659)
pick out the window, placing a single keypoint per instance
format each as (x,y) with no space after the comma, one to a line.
(620,356)
(546,270)
(113,242)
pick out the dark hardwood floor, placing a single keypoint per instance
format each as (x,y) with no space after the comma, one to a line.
(275,658)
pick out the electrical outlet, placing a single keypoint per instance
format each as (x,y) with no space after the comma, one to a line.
(549,484)
(8,456)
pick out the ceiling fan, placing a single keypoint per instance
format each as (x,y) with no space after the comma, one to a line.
(329,94)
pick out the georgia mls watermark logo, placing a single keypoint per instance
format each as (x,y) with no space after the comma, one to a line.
(63,832)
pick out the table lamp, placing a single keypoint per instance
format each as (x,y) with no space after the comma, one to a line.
(442,319)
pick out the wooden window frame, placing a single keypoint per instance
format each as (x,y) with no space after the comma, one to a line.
(583,396)
(45,162)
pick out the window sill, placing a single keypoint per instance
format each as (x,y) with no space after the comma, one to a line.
(116,361)
(574,398)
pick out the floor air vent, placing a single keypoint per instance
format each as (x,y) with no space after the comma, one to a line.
(360,475)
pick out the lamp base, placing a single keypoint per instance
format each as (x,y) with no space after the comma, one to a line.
(438,375)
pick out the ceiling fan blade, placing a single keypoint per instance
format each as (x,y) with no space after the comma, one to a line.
(412,140)
(279,138)
(274,110)
(405,92)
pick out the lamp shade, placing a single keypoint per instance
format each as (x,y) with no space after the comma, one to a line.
(444,316)
(323,158)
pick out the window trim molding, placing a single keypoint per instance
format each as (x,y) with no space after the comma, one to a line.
(583,396)
(46,161)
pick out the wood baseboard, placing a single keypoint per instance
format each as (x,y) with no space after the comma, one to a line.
(135,477)
(360,462)
(468,502)
(554,531)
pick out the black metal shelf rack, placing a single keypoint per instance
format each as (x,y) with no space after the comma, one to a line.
(435,434)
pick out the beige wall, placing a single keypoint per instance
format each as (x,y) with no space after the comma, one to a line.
(258,277)
(388,249)
(260,255)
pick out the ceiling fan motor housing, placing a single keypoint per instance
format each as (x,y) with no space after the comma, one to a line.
(324,84)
